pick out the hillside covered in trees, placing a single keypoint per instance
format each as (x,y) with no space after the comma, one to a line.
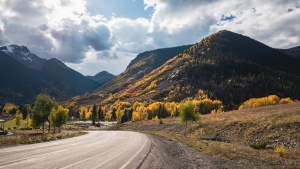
(225,66)
(143,64)
(294,52)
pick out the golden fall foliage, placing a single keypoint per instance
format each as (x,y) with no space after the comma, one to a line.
(119,114)
(83,111)
(206,106)
(264,101)
(140,112)
(171,108)
(108,116)
(154,108)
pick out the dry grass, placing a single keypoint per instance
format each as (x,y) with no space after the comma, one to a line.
(30,137)
(228,136)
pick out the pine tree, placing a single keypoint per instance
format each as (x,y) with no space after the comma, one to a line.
(94,114)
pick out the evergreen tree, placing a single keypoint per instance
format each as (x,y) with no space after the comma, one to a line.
(100,113)
(94,114)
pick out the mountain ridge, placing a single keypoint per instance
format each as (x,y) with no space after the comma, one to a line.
(24,56)
(21,80)
(102,77)
(226,66)
(139,67)
(294,52)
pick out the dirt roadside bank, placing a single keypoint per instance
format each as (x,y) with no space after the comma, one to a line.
(168,154)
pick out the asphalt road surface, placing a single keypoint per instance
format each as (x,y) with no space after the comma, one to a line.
(98,149)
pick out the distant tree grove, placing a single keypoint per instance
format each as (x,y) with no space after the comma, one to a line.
(264,101)
(46,109)
(121,111)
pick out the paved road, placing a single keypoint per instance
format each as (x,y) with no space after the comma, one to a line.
(98,149)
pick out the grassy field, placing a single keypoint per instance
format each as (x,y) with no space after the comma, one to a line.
(265,137)
(18,136)
(10,124)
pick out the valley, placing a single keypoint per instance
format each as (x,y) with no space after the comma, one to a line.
(244,93)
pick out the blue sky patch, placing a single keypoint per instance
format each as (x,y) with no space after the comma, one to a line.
(132,9)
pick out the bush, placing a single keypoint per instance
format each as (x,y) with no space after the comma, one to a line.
(160,121)
(259,144)
(264,101)
(279,150)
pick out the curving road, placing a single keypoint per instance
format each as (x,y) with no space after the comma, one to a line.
(98,149)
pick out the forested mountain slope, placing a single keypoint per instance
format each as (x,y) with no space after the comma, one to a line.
(226,66)
(143,64)
(294,52)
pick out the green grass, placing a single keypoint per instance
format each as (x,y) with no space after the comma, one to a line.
(10,123)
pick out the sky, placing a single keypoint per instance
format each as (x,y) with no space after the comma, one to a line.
(96,35)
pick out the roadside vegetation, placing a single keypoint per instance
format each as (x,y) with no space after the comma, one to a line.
(22,124)
(266,137)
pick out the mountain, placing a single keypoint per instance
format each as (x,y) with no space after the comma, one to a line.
(294,52)
(102,77)
(24,56)
(24,75)
(143,64)
(225,66)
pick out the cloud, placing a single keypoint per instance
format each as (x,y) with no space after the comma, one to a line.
(131,35)
(27,36)
(73,40)
(189,21)
(58,28)
(110,61)
(106,55)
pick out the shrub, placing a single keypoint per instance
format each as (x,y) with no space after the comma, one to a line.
(264,101)
(160,121)
(279,150)
(259,144)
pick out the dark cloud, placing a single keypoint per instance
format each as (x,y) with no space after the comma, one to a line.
(106,55)
(74,41)
(43,27)
(98,38)
(227,18)
(28,36)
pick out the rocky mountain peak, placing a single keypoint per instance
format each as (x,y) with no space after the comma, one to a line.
(23,55)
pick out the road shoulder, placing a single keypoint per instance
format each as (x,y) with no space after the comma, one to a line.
(172,155)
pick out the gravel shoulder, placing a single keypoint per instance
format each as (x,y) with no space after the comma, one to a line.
(166,154)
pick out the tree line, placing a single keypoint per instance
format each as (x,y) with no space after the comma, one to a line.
(44,109)
(122,111)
